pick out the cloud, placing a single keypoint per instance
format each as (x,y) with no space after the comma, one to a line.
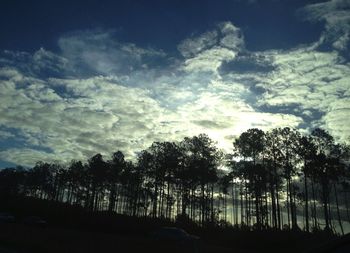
(208,51)
(191,47)
(248,63)
(336,15)
(221,117)
(231,36)
(209,60)
(98,52)
(6,135)
(108,95)
(311,80)
(99,116)
(224,34)
(27,157)
(41,63)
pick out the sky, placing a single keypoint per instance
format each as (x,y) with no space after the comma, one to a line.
(84,77)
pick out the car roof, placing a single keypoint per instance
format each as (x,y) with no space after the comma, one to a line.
(175,228)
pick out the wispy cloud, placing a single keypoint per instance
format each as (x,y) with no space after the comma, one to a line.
(98,94)
(336,15)
(94,52)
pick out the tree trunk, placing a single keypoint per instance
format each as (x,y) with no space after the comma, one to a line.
(325,203)
(338,212)
(306,202)
(314,203)
(346,205)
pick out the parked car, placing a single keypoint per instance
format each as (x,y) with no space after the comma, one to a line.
(35,221)
(176,239)
(7,218)
(339,245)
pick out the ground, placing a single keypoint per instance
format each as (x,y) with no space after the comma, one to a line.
(19,238)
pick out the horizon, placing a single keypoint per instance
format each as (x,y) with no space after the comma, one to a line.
(80,78)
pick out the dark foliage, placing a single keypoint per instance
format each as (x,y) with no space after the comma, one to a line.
(193,184)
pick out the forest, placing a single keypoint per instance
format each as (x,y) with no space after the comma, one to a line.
(272,180)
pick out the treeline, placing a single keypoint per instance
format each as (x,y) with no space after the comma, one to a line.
(271,180)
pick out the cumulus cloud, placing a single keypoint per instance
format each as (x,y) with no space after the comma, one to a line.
(224,34)
(99,115)
(209,60)
(231,36)
(208,51)
(336,15)
(112,96)
(192,46)
(312,80)
(6,135)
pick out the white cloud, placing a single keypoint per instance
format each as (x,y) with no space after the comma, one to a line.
(193,46)
(98,52)
(209,50)
(100,105)
(41,63)
(311,80)
(337,17)
(100,116)
(231,36)
(209,60)
(27,157)
(6,135)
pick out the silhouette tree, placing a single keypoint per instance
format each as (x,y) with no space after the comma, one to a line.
(274,160)
(12,181)
(115,168)
(307,152)
(324,142)
(203,158)
(270,172)
(289,147)
(97,170)
(250,146)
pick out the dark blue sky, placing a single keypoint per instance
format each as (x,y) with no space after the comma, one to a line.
(25,25)
(84,77)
